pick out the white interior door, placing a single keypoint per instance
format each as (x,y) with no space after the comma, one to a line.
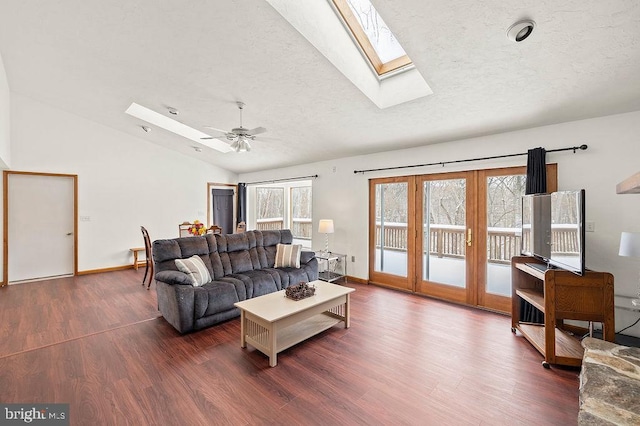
(41,219)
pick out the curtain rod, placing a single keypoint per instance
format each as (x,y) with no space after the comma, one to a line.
(282,180)
(442,163)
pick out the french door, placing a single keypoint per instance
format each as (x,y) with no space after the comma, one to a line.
(449,235)
(445,220)
(392,207)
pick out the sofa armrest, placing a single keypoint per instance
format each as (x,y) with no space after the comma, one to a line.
(174,278)
(306,256)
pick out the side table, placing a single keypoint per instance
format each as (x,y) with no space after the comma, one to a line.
(331,266)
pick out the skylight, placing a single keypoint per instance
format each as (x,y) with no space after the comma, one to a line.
(373,35)
(176,127)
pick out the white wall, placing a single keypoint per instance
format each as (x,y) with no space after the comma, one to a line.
(123,181)
(612,156)
(5,119)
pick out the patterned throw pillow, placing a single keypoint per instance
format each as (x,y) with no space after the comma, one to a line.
(288,255)
(195,268)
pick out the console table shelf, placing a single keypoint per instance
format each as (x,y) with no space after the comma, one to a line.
(532,296)
(560,295)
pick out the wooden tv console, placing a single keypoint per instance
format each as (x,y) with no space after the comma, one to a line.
(560,295)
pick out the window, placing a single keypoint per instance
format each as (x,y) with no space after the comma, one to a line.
(301,225)
(282,206)
(269,208)
(373,36)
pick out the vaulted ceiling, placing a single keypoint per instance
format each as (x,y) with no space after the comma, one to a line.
(94,57)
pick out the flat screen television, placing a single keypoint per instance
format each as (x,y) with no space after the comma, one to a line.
(553,229)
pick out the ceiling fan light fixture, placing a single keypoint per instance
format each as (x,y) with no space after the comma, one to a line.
(243,146)
(239,137)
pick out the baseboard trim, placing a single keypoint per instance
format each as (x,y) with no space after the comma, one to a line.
(428,296)
(390,287)
(357,280)
(111,269)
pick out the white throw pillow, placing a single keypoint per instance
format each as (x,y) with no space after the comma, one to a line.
(195,268)
(288,255)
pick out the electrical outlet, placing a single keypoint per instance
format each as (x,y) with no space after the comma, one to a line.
(334,169)
(85,218)
(590,226)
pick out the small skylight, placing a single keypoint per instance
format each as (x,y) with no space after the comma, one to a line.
(373,35)
(176,127)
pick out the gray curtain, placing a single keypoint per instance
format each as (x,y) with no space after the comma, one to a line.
(242,203)
(536,184)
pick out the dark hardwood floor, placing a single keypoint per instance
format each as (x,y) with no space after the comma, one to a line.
(98,343)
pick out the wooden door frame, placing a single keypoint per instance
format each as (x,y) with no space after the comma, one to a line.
(476,267)
(380,278)
(493,301)
(5,219)
(448,292)
(213,185)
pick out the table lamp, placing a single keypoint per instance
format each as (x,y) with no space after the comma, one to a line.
(326,227)
(630,247)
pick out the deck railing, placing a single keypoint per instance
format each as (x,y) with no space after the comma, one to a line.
(450,240)
(269,224)
(301,228)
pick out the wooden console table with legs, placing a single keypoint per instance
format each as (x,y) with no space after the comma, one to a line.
(560,295)
(273,323)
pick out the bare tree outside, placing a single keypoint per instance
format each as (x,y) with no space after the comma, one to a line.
(392,198)
(301,206)
(301,202)
(270,205)
(447,201)
(504,201)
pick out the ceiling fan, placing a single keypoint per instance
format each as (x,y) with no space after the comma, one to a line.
(239,136)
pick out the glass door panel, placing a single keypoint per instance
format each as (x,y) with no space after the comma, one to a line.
(444,232)
(504,220)
(391,260)
(391,228)
(444,225)
(499,239)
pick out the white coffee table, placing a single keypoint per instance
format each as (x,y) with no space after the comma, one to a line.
(273,322)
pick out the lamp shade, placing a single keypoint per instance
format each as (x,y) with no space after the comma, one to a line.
(325,226)
(630,244)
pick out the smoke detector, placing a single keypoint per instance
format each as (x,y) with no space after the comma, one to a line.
(520,30)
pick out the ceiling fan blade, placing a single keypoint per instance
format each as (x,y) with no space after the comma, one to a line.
(256,131)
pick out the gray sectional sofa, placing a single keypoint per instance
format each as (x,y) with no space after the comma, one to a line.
(241,267)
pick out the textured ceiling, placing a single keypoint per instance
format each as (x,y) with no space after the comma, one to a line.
(94,57)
